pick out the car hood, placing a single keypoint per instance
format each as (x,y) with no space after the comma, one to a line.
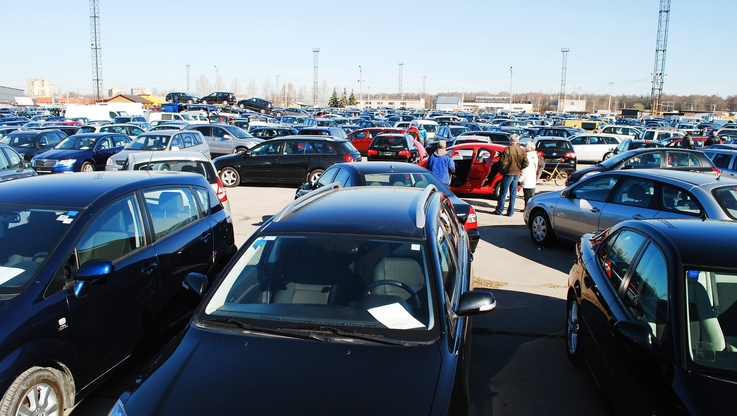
(717,392)
(214,372)
(62,154)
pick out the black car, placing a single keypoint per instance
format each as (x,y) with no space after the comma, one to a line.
(651,309)
(632,144)
(12,165)
(4,131)
(68,130)
(29,143)
(267,133)
(181,97)
(91,271)
(494,136)
(288,160)
(399,147)
(650,158)
(220,97)
(556,152)
(256,104)
(558,131)
(395,174)
(363,295)
(324,131)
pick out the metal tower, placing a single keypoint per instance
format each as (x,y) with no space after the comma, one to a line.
(562,104)
(401,64)
(314,87)
(188,79)
(661,45)
(96,50)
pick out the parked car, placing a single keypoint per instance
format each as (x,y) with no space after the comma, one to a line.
(394,174)
(336,132)
(183,161)
(362,138)
(476,168)
(382,272)
(181,97)
(256,104)
(494,136)
(220,97)
(650,309)
(631,144)
(189,140)
(12,165)
(68,130)
(650,158)
(224,139)
(591,147)
(169,125)
(130,130)
(697,142)
(393,146)
(84,152)
(4,131)
(449,133)
(724,159)
(621,130)
(103,282)
(556,152)
(267,133)
(29,143)
(290,160)
(602,200)
(558,131)
(660,134)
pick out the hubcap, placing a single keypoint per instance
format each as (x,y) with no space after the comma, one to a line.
(572,327)
(539,228)
(228,177)
(40,400)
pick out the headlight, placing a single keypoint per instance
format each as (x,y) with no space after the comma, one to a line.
(67,162)
(118,410)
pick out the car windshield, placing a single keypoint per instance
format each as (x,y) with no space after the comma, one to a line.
(359,284)
(554,145)
(238,132)
(22,253)
(711,297)
(149,142)
(430,128)
(192,166)
(87,129)
(76,143)
(21,139)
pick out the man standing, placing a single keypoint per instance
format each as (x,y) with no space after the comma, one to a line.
(511,163)
(440,164)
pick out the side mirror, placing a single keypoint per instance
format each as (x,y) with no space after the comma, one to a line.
(567,193)
(476,302)
(174,148)
(91,272)
(637,332)
(307,186)
(196,282)
(227,137)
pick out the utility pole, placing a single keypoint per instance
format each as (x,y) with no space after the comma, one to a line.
(96,50)
(314,86)
(401,95)
(360,84)
(188,79)
(562,105)
(609,107)
(510,90)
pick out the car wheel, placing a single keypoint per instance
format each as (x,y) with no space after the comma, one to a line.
(607,155)
(242,106)
(313,176)
(87,167)
(239,149)
(230,177)
(541,230)
(573,346)
(191,101)
(37,391)
(497,190)
(225,103)
(204,101)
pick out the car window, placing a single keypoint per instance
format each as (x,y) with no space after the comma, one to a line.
(596,189)
(104,143)
(4,162)
(634,192)
(679,158)
(117,231)
(120,141)
(327,177)
(342,177)
(170,209)
(578,141)
(203,197)
(15,159)
(205,130)
(177,141)
(136,131)
(616,254)
(680,201)
(324,147)
(218,132)
(646,295)
(267,149)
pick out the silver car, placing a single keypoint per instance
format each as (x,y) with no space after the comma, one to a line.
(603,200)
(189,140)
(225,139)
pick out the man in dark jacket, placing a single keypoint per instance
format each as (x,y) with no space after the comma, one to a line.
(511,163)
(687,142)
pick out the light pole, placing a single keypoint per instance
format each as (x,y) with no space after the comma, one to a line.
(609,107)
(510,90)
(360,84)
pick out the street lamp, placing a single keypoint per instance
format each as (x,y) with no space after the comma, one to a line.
(609,107)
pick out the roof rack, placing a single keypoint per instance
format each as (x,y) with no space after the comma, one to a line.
(303,201)
(420,217)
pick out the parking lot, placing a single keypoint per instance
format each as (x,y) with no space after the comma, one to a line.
(518,364)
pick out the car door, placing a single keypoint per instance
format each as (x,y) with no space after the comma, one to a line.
(221,141)
(207,134)
(110,320)
(582,148)
(634,198)
(14,167)
(104,148)
(481,162)
(260,164)
(579,212)
(297,158)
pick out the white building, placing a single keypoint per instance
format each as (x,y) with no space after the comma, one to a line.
(392,103)
(39,87)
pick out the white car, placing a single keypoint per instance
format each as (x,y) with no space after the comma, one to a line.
(166,160)
(188,140)
(591,147)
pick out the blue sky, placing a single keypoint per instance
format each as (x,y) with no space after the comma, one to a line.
(462,45)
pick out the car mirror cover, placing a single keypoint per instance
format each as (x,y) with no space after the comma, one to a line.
(637,332)
(476,302)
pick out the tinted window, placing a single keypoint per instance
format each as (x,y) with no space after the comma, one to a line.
(273,148)
(324,147)
(117,231)
(15,159)
(170,209)
(635,192)
(342,177)
(646,295)
(676,158)
(4,162)
(616,254)
(596,189)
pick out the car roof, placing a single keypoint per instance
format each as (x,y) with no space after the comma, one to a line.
(371,210)
(691,178)
(159,155)
(80,190)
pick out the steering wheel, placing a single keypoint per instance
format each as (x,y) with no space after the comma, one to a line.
(413,300)
(39,257)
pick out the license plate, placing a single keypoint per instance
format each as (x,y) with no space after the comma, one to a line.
(43,170)
(386,153)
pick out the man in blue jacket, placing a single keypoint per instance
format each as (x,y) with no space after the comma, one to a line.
(440,163)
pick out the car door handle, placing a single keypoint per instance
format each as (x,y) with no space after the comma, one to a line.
(150,269)
(205,236)
(638,217)
(595,209)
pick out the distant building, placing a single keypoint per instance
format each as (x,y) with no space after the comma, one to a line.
(8,95)
(127,98)
(112,92)
(395,103)
(448,103)
(140,91)
(39,87)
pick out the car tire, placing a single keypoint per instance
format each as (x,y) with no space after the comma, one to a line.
(541,231)
(239,149)
(313,176)
(204,101)
(230,177)
(87,167)
(497,190)
(573,342)
(225,103)
(607,155)
(241,106)
(41,386)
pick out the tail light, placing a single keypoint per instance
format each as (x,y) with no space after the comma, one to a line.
(222,195)
(404,153)
(540,154)
(471,220)
(348,158)
(372,152)
(570,155)
(717,172)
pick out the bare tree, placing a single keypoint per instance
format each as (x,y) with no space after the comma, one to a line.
(302,94)
(251,90)
(267,90)
(323,94)
(219,85)
(202,86)
(289,94)
(235,86)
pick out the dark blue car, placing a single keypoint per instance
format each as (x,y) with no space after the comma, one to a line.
(83,152)
(91,270)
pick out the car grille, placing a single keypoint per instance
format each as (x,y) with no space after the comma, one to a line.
(43,163)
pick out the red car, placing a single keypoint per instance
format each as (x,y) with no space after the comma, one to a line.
(477,171)
(362,138)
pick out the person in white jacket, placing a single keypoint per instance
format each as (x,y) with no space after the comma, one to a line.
(528,176)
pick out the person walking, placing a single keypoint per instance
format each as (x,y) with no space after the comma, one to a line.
(440,163)
(511,163)
(528,177)
(686,142)
(712,139)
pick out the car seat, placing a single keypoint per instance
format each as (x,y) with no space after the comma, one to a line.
(401,269)
(705,331)
(637,195)
(397,179)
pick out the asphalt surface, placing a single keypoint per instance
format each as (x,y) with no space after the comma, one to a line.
(518,360)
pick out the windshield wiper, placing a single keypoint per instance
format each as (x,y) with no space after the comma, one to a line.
(354,334)
(271,331)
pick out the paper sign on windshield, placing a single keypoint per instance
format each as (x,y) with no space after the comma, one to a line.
(394,316)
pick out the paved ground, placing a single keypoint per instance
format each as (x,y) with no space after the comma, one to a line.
(519,365)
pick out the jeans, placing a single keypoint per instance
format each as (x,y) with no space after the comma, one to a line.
(509,184)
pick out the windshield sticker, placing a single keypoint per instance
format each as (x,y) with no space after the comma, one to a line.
(7,273)
(415,247)
(394,316)
(692,274)
(65,219)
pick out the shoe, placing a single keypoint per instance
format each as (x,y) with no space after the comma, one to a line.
(510,214)
(496,213)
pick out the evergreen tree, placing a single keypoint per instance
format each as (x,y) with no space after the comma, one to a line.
(344,99)
(352,99)
(334,101)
